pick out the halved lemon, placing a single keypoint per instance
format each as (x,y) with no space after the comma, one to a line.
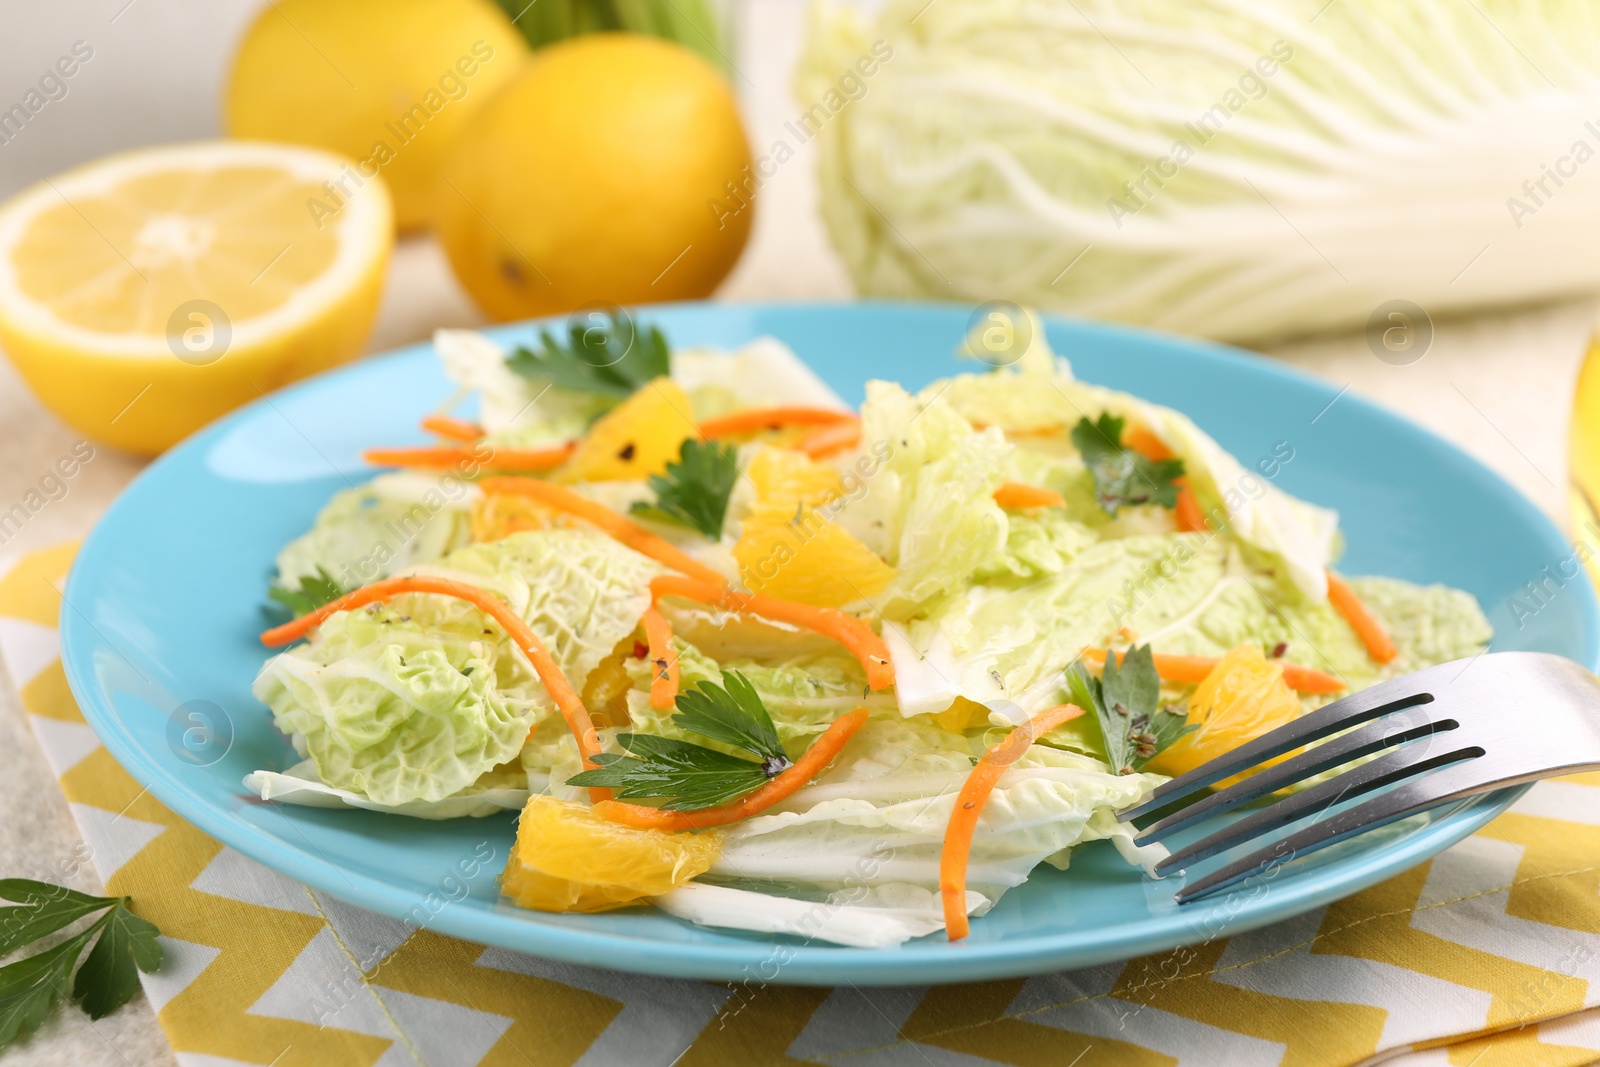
(143,295)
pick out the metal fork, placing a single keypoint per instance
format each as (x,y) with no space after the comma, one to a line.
(1441,734)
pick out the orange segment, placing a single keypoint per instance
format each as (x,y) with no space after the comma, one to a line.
(605,693)
(784,477)
(498,515)
(567,858)
(1242,698)
(798,555)
(962,715)
(637,438)
(788,549)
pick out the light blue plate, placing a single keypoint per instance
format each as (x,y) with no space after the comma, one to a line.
(164,605)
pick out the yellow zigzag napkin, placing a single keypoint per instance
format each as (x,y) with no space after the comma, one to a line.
(1489,956)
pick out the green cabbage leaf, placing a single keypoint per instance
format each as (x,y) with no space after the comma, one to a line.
(524,412)
(417,699)
(378,529)
(400,709)
(1004,644)
(1243,171)
(876,819)
(928,508)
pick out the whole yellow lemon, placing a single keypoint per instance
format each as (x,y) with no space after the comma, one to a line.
(613,169)
(387,83)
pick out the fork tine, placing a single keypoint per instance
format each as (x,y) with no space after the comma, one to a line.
(1385,770)
(1394,695)
(1453,783)
(1373,737)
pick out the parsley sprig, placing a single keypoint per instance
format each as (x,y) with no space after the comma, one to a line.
(313,591)
(611,360)
(1121,475)
(695,489)
(1124,700)
(31,988)
(690,777)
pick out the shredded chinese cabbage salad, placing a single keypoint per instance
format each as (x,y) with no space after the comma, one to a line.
(739,652)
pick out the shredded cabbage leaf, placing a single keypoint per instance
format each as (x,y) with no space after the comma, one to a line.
(877,816)
(522,412)
(401,708)
(860,917)
(1039,396)
(579,590)
(1003,644)
(928,509)
(379,529)
(418,698)
(300,785)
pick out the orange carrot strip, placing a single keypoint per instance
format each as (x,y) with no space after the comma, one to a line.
(663,662)
(1144,441)
(544,665)
(1310,680)
(974,794)
(454,429)
(1015,496)
(485,456)
(634,536)
(1186,512)
(1195,668)
(1362,621)
(808,766)
(754,419)
(856,636)
(822,441)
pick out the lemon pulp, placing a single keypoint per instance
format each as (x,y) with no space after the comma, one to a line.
(145,294)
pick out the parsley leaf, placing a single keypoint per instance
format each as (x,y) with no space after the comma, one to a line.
(109,977)
(733,714)
(611,361)
(313,591)
(694,491)
(689,777)
(33,987)
(1124,700)
(1164,727)
(1121,475)
(41,909)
